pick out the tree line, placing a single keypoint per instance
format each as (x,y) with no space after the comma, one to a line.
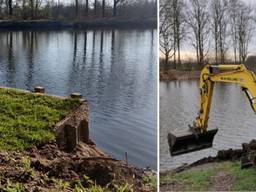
(76,9)
(218,31)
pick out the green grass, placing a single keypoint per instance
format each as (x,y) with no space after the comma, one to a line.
(150,181)
(199,180)
(244,180)
(27,118)
(191,180)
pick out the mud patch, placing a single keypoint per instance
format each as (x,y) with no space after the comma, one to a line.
(222,181)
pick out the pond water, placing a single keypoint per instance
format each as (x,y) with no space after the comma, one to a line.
(230,112)
(115,70)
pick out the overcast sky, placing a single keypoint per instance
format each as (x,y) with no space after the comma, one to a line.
(249,1)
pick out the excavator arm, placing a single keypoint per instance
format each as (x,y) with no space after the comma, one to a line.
(236,74)
(199,136)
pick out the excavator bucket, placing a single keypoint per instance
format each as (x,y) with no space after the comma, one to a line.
(188,141)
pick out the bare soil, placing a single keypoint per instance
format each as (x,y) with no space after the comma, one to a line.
(47,163)
(222,181)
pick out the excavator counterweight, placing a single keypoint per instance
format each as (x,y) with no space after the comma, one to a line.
(199,136)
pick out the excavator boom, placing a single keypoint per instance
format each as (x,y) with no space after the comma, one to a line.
(198,136)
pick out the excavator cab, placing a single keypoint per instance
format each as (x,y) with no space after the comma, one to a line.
(198,136)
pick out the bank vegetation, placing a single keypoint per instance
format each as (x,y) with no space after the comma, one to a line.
(76,10)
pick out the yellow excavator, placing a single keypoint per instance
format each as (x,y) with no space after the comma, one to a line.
(198,136)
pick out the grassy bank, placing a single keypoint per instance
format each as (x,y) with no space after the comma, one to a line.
(222,176)
(191,70)
(184,71)
(30,159)
(27,118)
(174,74)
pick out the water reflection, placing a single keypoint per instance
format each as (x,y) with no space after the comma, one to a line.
(85,46)
(75,47)
(114,69)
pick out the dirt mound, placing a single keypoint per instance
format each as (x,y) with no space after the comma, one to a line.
(41,166)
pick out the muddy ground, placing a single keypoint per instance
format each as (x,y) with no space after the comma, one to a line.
(46,168)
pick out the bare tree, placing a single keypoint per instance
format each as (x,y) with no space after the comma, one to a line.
(10,7)
(172,23)
(37,6)
(76,8)
(103,8)
(95,7)
(87,8)
(198,22)
(24,9)
(233,9)
(166,35)
(31,5)
(166,44)
(241,25)
(115,7)
(245,26)
(219,10)
(1,6)
(178,17)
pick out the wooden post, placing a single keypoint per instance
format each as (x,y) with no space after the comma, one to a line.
(71,137)
(83,131)
(39,89)
(76,95)
(126,158)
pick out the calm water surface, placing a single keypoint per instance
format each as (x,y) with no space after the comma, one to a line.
(115,70)
(230,112)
